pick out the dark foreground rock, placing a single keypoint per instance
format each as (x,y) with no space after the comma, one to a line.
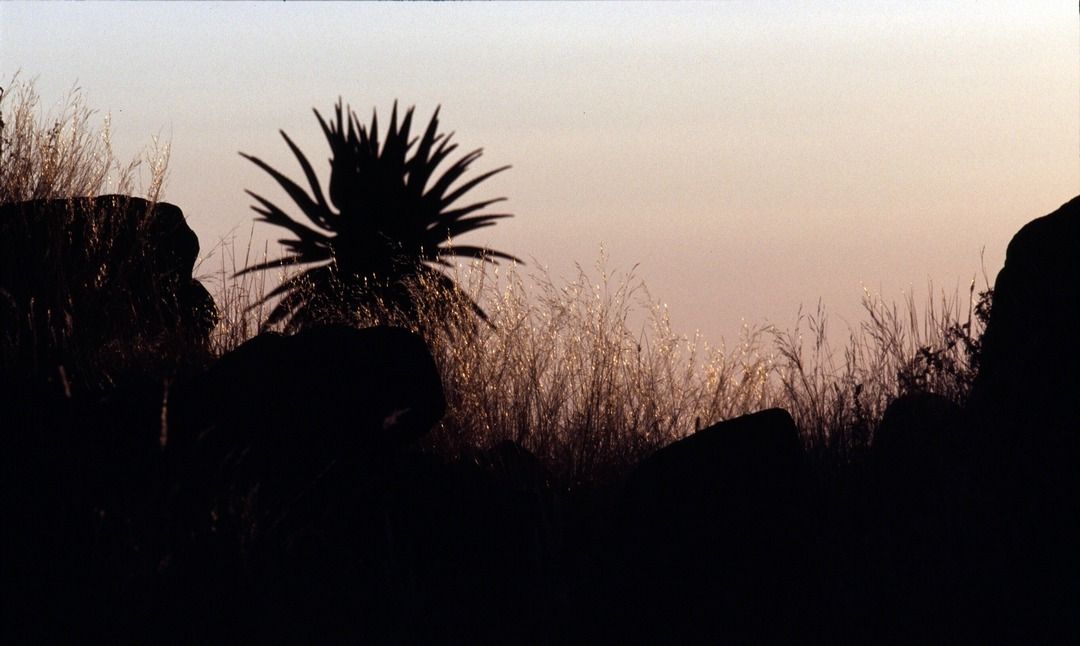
(84,279)
(1025,416)
(1029,360)
(707,542)
(410,549)
(130,514)
(280,498)
(918,455)
(282,441)
(327,390)
(914,519)
(98,308)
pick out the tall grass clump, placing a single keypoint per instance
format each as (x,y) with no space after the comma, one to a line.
(838,398)
(587,373)
(61,153)
(56,155)
(242,308)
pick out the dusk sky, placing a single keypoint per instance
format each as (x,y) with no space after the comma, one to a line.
(748,156)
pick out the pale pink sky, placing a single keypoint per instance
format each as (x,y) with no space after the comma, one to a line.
(749,157)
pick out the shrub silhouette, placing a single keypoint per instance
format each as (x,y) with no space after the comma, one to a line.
(952,364)
(390,222)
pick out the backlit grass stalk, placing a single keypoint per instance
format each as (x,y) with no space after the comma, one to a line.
(60,153)
(564,371)
(241,312)
(838,399)
(588,374)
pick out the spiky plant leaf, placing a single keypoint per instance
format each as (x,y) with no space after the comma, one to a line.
(386,225)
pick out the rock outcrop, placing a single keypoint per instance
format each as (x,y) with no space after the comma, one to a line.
(1029,373)
(918,443)
(84,277)
(283,408)
(1024,413)
(291,469)
(914,519)
(709,529)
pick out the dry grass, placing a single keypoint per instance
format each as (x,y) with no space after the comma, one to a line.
(838,399)
(57,154)
(240,312)
(588,374)
(565,371)
(585,372)
(61,153)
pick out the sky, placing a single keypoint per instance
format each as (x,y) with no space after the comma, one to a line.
(748,158)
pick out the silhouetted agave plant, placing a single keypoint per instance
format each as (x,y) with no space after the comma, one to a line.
(391,221)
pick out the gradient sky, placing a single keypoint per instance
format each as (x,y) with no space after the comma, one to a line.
(749,157)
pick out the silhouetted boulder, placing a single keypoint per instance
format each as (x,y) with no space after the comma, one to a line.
(480,541)
(719,474)
(916,445)
(1030,356)
(532,520)
(418,550)
(287,452)
(533,508)
(98,309)
(709,532)
(1025,403)
(89,277)
(915,515)
(83,484)
(918,465)
(285,416)
(295,404)
(1025,414)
